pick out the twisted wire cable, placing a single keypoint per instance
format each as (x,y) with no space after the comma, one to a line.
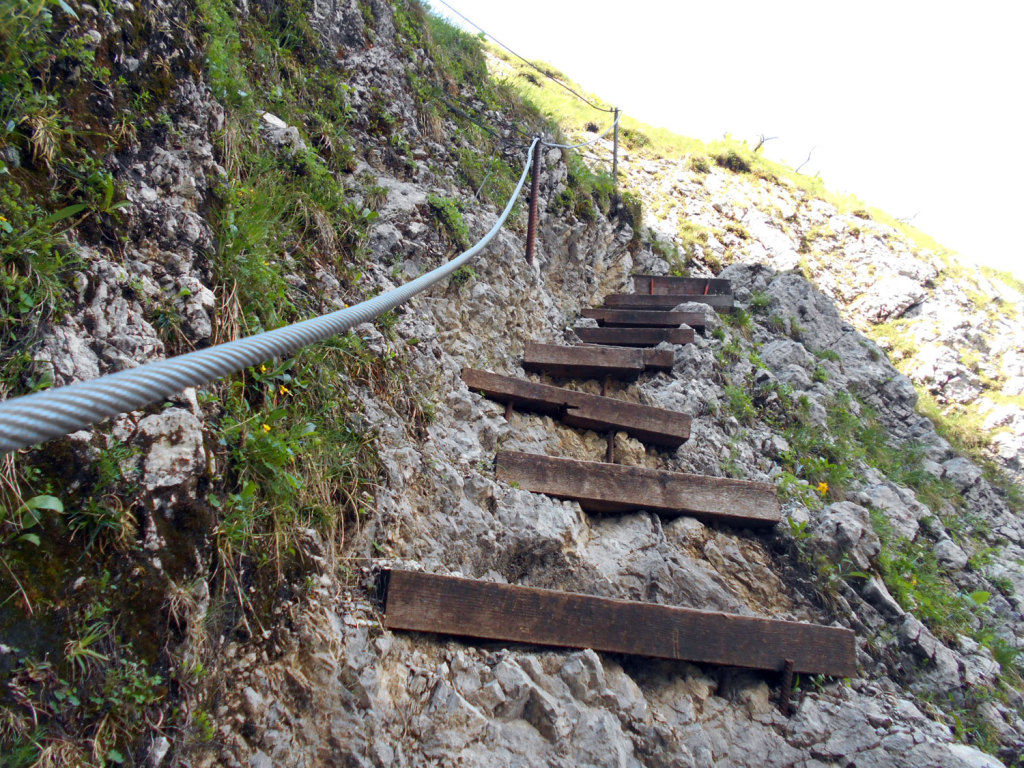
(42,416)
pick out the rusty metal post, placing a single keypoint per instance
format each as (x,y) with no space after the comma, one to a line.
(785,703)
(531,227)
(615,150)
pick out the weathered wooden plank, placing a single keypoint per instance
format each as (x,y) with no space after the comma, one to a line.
(658,359)
(588,362)
(663,302)
(656,426)
(449,605)
(663,284)
(635,337)
(626,318)
(602,487)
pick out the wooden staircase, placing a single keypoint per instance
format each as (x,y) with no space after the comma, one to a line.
(619,349)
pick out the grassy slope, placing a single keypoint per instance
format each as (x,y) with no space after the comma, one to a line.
(647,140)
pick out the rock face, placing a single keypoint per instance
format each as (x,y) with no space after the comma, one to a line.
(315,680)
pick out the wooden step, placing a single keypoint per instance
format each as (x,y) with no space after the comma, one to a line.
(584,362)
(663,302)
(658,359)
(635,337)
(664,284)
(630,318)
(425,602)
(602,487)
(656,426)
(595,361)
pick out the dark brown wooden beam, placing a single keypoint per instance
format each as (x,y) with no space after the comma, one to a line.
(661,302)
(583,362)
(656,426)
(448,605)
(659,359)
(629,318)
(663,284)
(635,337)
(615,488)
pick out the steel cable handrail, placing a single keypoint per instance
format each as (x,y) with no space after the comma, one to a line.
(42,416)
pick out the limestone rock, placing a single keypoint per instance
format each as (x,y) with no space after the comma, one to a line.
(844,529)
(945,671)
(961,472)
(173,445)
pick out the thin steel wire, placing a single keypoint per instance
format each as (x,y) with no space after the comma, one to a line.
(548,75)
(42,416)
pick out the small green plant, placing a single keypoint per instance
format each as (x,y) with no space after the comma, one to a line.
(913,575)
(634,138)
(740,405)
(792,488)
(693,239)
(730,352)
(204,726)
(733,159)
(463,275)
(448,215)
(631,208)
(741,320)
(760,302)
(827,354)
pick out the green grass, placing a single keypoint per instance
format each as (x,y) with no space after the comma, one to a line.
(448,217)
(740,405)
(1005,277)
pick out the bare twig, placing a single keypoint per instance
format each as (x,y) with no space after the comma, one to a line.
(805,162)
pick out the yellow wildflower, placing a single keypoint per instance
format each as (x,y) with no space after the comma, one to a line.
(266,427)
(3,218)
(284,390)
(263,369)
(822,488)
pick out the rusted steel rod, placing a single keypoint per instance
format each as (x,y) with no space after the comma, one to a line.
(615,150)
(531,227)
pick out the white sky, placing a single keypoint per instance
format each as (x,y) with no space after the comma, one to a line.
(915,107)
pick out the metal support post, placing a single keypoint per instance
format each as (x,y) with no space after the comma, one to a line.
(531,227)
(786,699)
(615,150)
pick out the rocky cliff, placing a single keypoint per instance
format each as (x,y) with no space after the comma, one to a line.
(193,584)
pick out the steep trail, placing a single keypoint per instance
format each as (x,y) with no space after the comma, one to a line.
(419,602)
(222,544)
